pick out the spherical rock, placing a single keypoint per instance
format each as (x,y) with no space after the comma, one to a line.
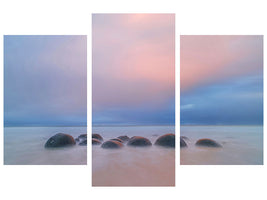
(207,143)
(111,144)
(182,143)
(95,141)
(167,140)
(139,141)
(83,136)
(60,140)
(97,136)
(117,139)
(83,143)
(124,138)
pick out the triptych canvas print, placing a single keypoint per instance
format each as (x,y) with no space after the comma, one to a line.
(134,132)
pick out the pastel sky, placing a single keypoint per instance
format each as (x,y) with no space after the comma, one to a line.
(45,80)
(221,80)
(133,69)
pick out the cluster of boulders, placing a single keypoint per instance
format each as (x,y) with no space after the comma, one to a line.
(63,140)
(201,142)
(167,140)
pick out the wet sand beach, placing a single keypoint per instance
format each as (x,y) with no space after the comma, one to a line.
(133,166)
(241,145)
(25,146)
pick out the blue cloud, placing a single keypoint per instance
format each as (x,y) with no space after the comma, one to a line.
(137,115)
(44,80)
(233,101)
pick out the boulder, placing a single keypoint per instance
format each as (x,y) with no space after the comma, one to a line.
(83,136)
(83,143)
(182,143)
(139,141)
(167,140)
(207,143)
(95,141)
(124,138)
(60,140)
(97,136)
(117,139)
(111,144)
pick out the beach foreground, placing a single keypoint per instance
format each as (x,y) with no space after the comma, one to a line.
(241,145)
(25,146)
(133,166)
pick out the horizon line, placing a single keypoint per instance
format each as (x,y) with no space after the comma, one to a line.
(121,125)
(221,124)
(43,126)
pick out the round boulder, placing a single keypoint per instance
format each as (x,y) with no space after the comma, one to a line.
(139,141)
(117,139)
(95,141)
(60,140)
(167,140)
(124,138)
(207,143)
(111,144)
(83,136)
(182,142)
(83,143)
(97,136)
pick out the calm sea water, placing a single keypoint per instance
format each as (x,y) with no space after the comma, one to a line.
(130,166)
(242,145)
(25,146)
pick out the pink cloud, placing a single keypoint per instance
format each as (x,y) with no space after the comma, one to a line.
(206,59)
(133,59)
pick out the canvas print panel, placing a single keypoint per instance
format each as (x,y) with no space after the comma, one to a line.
(221,100)
(45,100)
(133,100)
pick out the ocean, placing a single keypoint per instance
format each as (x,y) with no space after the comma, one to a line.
(242,145)
(130,166)
(25,146)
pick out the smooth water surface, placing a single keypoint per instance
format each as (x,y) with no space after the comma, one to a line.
(242,145)
(25,146)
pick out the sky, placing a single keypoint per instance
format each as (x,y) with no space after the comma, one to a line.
(133,69)
(221,80)
(45,80)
